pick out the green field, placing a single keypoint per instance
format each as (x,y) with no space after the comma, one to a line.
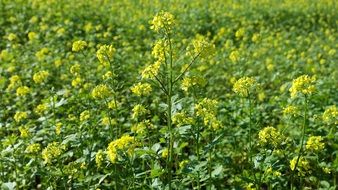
(168,94)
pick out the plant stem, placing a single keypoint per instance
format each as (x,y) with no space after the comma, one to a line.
(303,137)
(209,167)
(169,110)
(198,156)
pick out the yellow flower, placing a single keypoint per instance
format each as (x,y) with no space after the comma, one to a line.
(302,85)
(19,116)
(141,89)
(52,151)
(14,81)
(105,121)
(107,75)
(12,37)
(151,71)
(33,148)
(105,54)
(202,47)
(101,91)
(138,111)
(159,50)
(58,63)
(22,91)
(32,36)
(163,20)
(234,56)
(314,144)
(24,132)
(77,82)
(99,158)
(181,118)
(207,109)
(40,76)
(291,110)
(189,82)
(244,86)
(84,116)
(40,55)
(79,45)
(302,167)
(165,153)
(124,144)
(113,104)
(58,127)
(41,108)
(75,69)
(270,135)
(240,33)
(140,128)
(330,115)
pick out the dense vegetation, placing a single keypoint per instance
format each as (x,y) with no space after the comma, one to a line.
(123,94)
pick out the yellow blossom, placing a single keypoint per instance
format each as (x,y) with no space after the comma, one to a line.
(101,91)
(79,45)
(105,54)
(33,148)
(302,85)
(19,116)
(99,158)
(40,76)
(22,91)
(330,115)
(244,86)
(125,144)
(52,151)
(141,89)
(314,144)
(163,20)
(84,116)
(270,135)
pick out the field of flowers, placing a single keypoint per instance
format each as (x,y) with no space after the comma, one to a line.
(151,94)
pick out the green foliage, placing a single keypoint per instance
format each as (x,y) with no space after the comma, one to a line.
(122,94)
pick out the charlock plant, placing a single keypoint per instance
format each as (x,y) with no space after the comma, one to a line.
(302,87)
(164,75)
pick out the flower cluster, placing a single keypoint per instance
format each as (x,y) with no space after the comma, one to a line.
(52,151)
(19,116)
(207,109)
(138,111)
(330,115)
(291,110)
(201,47)
(79,45)
(105,54)
(141,89)
(314,143)
(101,91)
(33,148)
(182,118)
(270,135)
(99,158)
(302,85)
(40,76)
(193,81)
(126,144)
(244,86)
(163,20)
(22,91)
(302,167)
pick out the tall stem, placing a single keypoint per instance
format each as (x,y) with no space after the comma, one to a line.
(198,156)
(169,110)
(303,137)
(209,161)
